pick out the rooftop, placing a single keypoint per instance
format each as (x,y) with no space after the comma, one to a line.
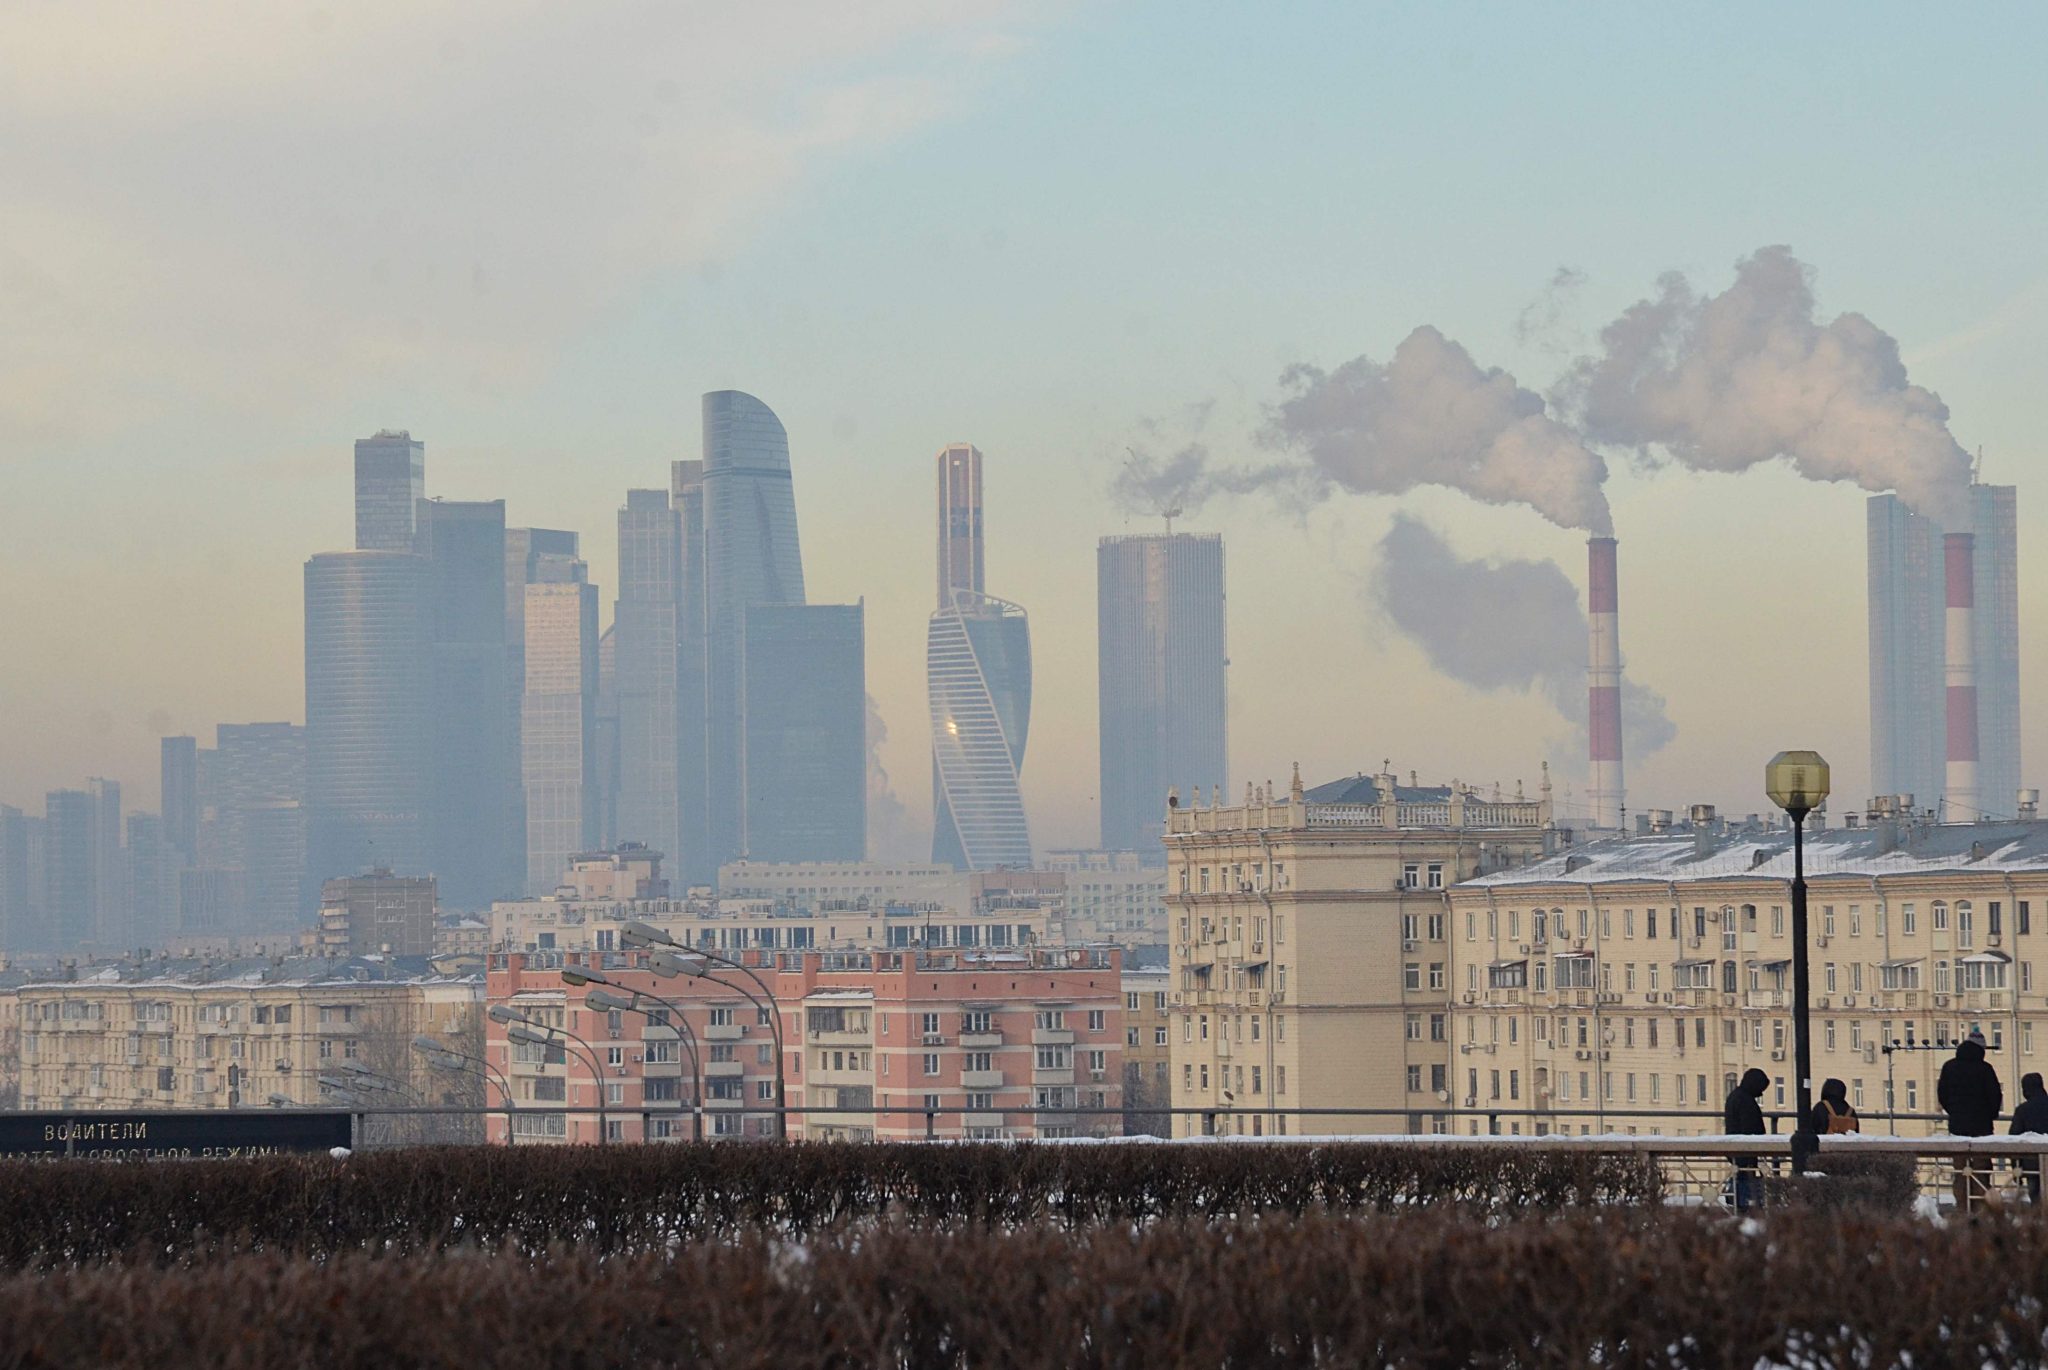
(253,971)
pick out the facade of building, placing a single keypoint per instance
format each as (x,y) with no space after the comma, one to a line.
(644,629)
(1148,1021)
(1310,952)
(803,732)
(1113,896)
(1161,664)
(179,772)
(751,556)
(1646,975)
(366,713)
(252,827)
(1907,650)
(391,480)
(532,556)
(558,722)
(175,1034)
(896,1045)
(20,902)
(378,914)
(70,872)
(692,862)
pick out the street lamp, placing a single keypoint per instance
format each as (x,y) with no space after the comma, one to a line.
(692,961)
(1797,782)
(533,1032)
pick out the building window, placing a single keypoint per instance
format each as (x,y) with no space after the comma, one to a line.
(1414,1078)
(1411,875)
(1436,975)
(1411,975)
(1436,875)
(1098,1020)
(931,1063)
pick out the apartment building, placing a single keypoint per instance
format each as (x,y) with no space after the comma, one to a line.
(990,1044)
(1646,975)
(1148,1020)
(1112,896)
(1310,959)
(167,1034)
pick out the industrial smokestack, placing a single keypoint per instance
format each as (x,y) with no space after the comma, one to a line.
(1603,684)
(1960,800)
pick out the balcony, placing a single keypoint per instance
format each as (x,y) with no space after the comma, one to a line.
(724,1032)
(732,1105)
(1041,1121)
(982,1120)
(1052,1037)
(663,1070)
(1063,1076)
(970,1041)
(724,1070)
(981,1079)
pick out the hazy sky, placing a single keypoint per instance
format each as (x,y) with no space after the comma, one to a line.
(234,237)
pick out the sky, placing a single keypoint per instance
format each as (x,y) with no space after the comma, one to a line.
(236,236)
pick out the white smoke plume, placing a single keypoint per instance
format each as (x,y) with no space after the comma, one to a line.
(1185,481)
(1432,416)
(1503,625)
(1724,382)
(890,834)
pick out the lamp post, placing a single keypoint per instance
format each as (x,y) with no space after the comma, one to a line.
(678,961)
(1797,782)
(605,1001)
(533,1032)
(440,1056)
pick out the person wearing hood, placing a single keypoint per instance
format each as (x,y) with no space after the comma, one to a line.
(2031,1117)
(1969,1094)
(1832,1113)
(1743,1116)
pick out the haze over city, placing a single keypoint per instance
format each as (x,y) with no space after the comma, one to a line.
(241,240)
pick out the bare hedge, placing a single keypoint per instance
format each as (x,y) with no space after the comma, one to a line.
(1426,1288)
(644,1199)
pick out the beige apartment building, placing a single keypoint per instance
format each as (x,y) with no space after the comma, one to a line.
(1644,975)
(1310,957)
(998,1045)
(241,1034)
(1112,896)
(1148,1022)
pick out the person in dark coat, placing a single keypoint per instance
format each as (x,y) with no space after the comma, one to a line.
(1833,1113)
(2031,1117)
(1743,1116)
(1969,1093)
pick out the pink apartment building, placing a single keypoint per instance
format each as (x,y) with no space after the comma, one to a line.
(893,1044)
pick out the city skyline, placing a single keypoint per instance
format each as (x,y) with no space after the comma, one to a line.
(819,290)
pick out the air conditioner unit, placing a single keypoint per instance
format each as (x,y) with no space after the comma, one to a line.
(1464,1048)
(1821,940)
(1848,1001)
(1870,1053)
(1492,1047)
(1407,944)
(1821,1002)
(1582,1054)
(618,1070)
(1470,996)
(1693,942)
(1941,1001)
(1668,997)
(1471,1101)
(1522,950)
(1778,1054)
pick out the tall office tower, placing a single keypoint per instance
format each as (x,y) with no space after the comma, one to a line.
(606,768)
(253,807)
(152,881)
(366,713)
(691,866)
(16,907)
(751,556)
(525,550)
(1160,670)
(391,480)
(1908,608)
(644,626)
(472,790)
(110,910)
(804,733)
(558,725)
(69,872)
(179,771)
(960,536)
(978,682)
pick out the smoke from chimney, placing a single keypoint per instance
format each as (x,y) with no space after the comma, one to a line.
(1961,802)
(1603,684)
(1725,382)
(1503,625)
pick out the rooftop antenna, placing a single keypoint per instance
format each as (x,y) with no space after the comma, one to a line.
(1171,511)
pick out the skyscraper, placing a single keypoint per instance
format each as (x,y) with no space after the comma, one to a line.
(152,881)
(366,713)
(17,903)
(691,865)
(69,872)
(253,824)
(391,479)
(525,550)
(110,911)
(751,556)
(472,791)
(1908,742)
(978,682)
(1161,665)
(804,733)
(558,723)
(179,771)
(644,631)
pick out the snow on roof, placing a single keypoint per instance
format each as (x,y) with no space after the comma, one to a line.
(1995,848)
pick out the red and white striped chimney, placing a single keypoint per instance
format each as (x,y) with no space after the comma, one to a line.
(1603,684)
(1960,801)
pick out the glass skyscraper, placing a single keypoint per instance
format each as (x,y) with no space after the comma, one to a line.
(1162,694)
(366,713)
(391,479)
(558,722)
(978,682)
(1908,738)
(253,824)
(472,793)
(751,557)
(525,549)
(691,865)
(179,773)
(804,733)
(644,672)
